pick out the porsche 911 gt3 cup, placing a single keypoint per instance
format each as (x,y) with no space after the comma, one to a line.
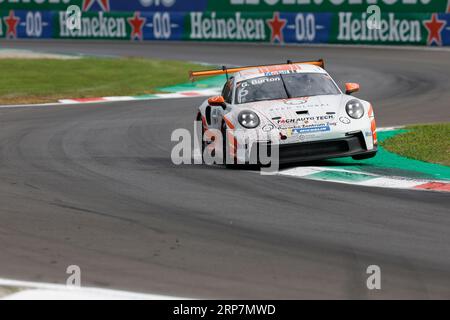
(297,103)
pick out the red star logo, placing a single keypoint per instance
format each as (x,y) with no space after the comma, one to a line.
(12,22)
(137,23)
(104,4)
(434,27)
(276,26)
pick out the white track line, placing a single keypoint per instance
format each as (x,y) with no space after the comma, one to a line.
(30,105)
(49,291)
(369,180)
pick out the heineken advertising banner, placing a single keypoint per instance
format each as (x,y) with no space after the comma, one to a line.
(146,20)
(136,26)
(26,24)
(329,5)
(260,27)
(394,29)
(344,28)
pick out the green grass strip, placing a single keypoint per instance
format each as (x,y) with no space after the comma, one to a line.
(430,143)
(48,80)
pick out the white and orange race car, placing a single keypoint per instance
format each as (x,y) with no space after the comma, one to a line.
(298,103)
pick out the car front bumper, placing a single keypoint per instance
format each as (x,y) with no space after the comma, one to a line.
(351,145)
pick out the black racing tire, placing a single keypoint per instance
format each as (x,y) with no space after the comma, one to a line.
(232,165)
(202,140)
(364,156)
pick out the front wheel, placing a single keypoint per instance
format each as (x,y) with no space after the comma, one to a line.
(231,163)
(202,138)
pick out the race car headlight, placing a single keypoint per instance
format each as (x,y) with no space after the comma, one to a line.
(248,119)
(354,109)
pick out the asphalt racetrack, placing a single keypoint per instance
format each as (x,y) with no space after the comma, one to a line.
(94,185)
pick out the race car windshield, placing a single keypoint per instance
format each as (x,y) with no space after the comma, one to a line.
(284,86)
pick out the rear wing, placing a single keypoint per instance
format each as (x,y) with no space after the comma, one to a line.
(225,70)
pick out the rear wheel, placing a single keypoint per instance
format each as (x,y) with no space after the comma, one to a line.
(364,156)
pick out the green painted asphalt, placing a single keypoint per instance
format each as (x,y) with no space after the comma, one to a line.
(340,176)
(391,164)
(207,83)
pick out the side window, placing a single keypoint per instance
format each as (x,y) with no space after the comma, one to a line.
(227,92)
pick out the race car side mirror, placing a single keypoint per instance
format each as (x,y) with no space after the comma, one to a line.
(351,88)
(218,101)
